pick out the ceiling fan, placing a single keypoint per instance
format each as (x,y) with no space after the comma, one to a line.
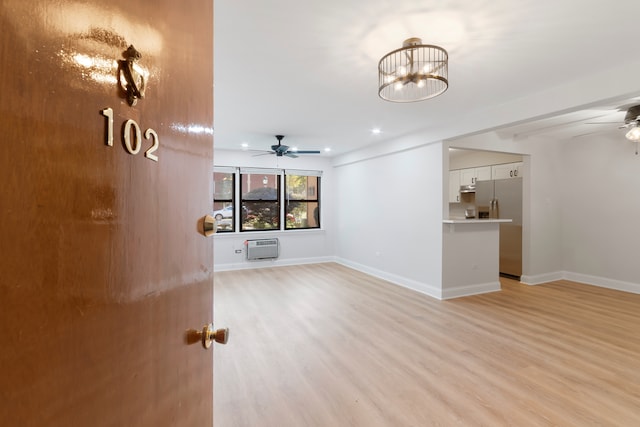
(284,150)
(631,123)
(631,118)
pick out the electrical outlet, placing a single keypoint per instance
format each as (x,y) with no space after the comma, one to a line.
(238,251)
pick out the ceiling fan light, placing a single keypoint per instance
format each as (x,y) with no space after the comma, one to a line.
(413,62)
(634,133)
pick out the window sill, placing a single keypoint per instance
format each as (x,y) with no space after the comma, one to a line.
(269,233)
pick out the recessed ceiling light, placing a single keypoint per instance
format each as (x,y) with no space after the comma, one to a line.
(376,131)
(327,149)
(245,145)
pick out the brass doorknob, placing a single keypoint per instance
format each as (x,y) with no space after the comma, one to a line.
(209,225)
(208,335)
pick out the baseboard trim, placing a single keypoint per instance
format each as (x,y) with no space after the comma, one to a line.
(423,288)
(436,291)
(603,282)
(539,279)
(464,291)
(278,262)
(587,279)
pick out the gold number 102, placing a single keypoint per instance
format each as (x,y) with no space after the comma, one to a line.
(132,136)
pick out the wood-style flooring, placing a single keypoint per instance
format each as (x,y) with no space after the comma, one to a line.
(324,345)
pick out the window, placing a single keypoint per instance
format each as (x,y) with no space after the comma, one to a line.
(302,209)
(249,199)
(223,198)
(260,199)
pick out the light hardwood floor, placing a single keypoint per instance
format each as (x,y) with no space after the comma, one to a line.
(323,345)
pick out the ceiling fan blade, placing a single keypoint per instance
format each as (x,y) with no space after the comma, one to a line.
(283,150)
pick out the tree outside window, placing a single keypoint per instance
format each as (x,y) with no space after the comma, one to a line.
(302,209)
(260,200)
(260,193)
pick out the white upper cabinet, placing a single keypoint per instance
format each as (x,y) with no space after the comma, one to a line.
(454,186)
(506,171)
(483,174)
(467,176)
(472,175)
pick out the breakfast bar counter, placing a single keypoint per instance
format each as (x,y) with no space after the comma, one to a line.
(474,221)
(471,253)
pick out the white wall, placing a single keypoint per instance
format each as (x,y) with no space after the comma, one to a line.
(601,192)
(389,216)
(462,159)
(296,246)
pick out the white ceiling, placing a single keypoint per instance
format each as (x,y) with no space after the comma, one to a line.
(308,69)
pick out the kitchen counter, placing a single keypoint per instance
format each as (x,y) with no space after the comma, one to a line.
(470,256)
(474,221)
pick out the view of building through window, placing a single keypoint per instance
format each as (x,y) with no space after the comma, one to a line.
(260,200)
(223,200)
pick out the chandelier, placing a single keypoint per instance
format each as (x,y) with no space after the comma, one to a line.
(414,72)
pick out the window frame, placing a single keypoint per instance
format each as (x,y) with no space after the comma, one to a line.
(281,201)
(242,202)
(225,201)
(307,200)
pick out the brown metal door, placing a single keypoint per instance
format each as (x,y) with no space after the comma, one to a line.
(102,266)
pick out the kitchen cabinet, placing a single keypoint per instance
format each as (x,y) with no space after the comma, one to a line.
(506,171)
(454,186)
(472,175)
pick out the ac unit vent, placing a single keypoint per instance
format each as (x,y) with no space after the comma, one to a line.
(263,249)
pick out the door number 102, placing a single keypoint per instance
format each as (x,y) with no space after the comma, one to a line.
(132,143)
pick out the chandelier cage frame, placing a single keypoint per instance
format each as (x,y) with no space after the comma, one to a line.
(414,72)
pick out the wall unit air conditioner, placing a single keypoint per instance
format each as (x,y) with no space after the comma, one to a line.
(263,249)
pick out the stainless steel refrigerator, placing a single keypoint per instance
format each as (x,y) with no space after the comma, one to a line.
(505,195)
